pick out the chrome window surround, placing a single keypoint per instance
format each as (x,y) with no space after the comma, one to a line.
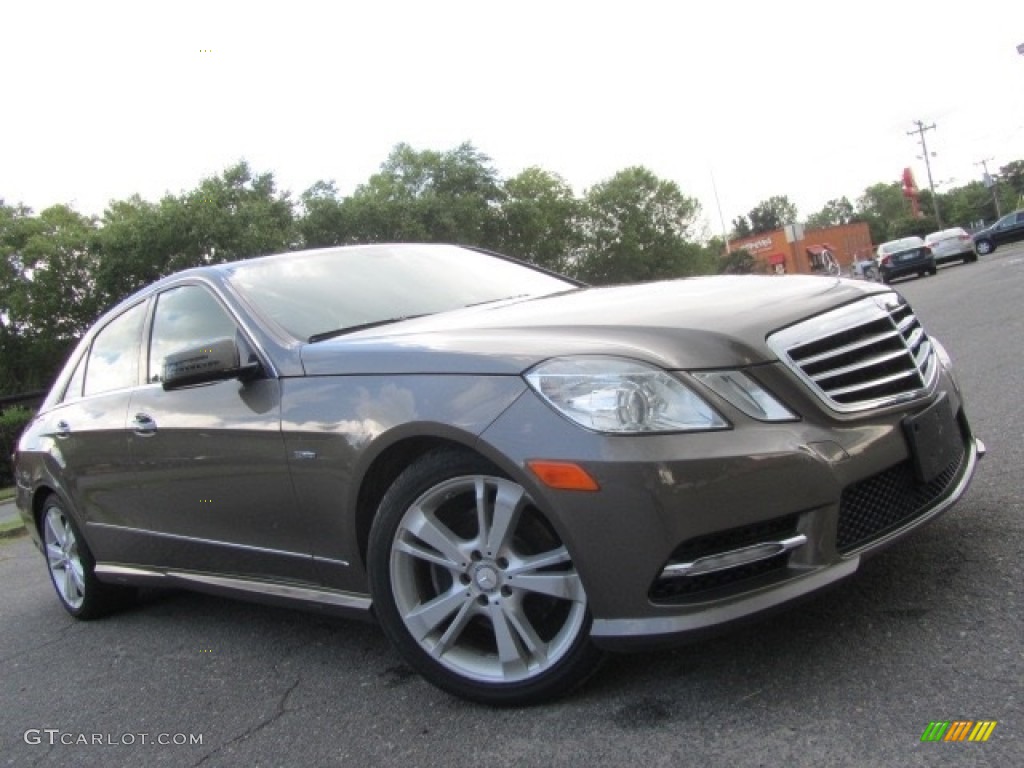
(900,347)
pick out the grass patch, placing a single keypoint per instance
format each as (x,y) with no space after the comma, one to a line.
(12,529)
(6,493)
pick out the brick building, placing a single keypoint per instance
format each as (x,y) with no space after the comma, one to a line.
(847,242)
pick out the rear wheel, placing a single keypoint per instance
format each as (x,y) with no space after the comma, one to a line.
(72,566)
(475,588)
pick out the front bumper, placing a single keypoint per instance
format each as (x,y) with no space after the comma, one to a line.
(839,485)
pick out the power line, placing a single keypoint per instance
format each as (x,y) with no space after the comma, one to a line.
(921,128)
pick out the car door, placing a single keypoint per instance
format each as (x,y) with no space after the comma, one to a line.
(87,430)
(214,492)
(1009,228)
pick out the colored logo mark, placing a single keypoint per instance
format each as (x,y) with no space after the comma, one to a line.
(959,730)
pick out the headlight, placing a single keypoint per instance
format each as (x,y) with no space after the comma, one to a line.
(610,394)
(745,394)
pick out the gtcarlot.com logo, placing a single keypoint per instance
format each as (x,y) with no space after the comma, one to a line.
(958,730)
(54,736)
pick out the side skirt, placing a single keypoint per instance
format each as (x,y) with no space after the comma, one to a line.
(330,601)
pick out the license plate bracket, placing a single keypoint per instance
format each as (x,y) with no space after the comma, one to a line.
(934,439)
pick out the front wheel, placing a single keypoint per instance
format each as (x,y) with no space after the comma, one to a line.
(984,247)
(474,587)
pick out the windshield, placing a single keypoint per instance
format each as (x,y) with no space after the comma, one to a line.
(319,293)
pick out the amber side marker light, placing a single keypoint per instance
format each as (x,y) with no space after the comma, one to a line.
(563,475)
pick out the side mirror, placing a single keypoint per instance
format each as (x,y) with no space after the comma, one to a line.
(217,360)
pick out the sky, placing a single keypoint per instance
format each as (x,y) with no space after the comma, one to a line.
(814,100)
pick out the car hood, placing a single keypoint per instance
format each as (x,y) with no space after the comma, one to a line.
(709,322)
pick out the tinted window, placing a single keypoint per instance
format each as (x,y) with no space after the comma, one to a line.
(185,317)
(312,293)
(114,359)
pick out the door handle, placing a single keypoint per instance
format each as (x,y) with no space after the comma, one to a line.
(63,429)
(143,424)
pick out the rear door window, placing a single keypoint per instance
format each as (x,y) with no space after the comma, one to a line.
(114,357)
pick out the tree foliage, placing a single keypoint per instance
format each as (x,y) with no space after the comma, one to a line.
(880,206)
(740,228)
(59,269)
(773,213)
(740,262)
(834,213)
(637,227)
(430,196)
(540,220)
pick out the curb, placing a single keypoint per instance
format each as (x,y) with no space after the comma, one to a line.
(14,532)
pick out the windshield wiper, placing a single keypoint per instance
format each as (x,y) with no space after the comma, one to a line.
(361,327)
(495,301)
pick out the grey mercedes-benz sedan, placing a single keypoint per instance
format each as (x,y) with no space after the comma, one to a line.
(510,471)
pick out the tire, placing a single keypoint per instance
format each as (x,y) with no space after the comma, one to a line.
(473,586)
(984,247)
(72,567)
(933,271)
(971,259)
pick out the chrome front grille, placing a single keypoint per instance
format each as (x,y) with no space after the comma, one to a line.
(865,355)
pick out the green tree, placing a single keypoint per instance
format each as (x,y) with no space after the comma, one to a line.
(909,225)
(740,262)
(139,242)
(773,213)
(834,213)
(880,206)
(967,205)
(540,219)
(1011,176)
(326,219)
(430,196)
(638,227)
(48,295)
(740,228)
(236,215)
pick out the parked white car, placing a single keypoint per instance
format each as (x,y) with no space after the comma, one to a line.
(952,244)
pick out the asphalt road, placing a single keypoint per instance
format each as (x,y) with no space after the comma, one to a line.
(929,630)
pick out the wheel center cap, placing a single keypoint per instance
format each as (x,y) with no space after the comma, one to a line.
(486,578)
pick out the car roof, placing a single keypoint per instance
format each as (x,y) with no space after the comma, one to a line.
(946,233)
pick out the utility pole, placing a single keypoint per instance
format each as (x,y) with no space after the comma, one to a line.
(921,128)
(992,184)
(725,232)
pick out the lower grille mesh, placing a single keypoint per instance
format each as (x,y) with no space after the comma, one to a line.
(881,503)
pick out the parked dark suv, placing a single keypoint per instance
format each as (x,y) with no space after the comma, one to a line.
(1008,229)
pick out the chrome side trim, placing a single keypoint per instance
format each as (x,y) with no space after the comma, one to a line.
(733,558)
(226,544)
(289,592)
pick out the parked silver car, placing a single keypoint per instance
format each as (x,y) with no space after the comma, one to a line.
(953,244)
(510,471)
